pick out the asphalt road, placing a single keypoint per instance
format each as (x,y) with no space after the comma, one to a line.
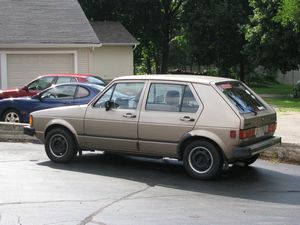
(108,189)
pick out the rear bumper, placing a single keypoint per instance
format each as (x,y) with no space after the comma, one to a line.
(29,131)
(250,150)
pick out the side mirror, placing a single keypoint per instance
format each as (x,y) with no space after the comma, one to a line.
(108,105)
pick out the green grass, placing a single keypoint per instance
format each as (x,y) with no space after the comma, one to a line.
(285,104)
(282,104)
(276,89)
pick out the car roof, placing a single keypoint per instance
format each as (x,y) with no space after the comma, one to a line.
(67,75)
(177,77)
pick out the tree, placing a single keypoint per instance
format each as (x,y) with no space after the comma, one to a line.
(214,33)
(152,22)
(289,13)
(271,44)
(180,56)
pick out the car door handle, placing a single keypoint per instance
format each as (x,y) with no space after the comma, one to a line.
(129,115)
(187,118)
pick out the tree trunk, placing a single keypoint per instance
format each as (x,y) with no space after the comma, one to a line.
(165,57)
(148,65)
(242,70)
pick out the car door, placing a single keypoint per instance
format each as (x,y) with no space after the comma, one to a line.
(111,121)
(170,110)
(39,84)
(62,95)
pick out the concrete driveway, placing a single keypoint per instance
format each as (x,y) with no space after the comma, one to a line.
(288,127)
(108,189)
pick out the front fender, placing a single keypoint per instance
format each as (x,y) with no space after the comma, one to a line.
(60,123)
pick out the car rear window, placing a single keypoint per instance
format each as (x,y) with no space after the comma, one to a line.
(241,97)
(96,80)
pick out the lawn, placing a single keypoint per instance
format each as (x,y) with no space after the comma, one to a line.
(282,103)
(285,104)
(276,89)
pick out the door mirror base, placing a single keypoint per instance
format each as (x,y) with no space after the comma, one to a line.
(108,105)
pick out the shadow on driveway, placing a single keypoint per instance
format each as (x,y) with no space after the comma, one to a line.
(253,183)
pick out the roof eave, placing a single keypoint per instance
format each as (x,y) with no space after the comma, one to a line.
(49,45)
(120,44)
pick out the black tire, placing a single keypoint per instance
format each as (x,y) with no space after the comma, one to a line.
(12,116)
(60,146)
(202,160)
(249,161)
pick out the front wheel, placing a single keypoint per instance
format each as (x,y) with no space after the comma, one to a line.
(202,160)
(12,116)
(60,146)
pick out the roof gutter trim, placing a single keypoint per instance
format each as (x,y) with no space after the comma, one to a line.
(42,45)
(134,43)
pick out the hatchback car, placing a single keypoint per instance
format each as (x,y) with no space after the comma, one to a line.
(45,81)
(207,122)
(17,110)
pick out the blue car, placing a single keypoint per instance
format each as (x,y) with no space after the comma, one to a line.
(17,110)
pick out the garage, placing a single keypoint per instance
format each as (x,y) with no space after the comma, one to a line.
(21,68)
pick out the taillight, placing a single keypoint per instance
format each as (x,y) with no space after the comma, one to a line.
(272,127)
(30,120)
(247,133)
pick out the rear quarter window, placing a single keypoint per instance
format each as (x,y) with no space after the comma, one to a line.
(241,97)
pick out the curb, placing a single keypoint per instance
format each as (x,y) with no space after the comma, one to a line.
(287,152)
(13,132)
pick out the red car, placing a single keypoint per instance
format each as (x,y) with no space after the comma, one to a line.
(45,81)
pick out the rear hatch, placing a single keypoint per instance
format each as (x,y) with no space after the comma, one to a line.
(258,119)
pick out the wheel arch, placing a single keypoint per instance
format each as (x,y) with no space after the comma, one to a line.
(63,125)
(201,135)
(10,108)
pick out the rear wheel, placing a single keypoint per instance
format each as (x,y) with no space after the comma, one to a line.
(60,146)
(202,160)
(12,116)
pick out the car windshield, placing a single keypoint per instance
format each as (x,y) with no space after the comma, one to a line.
(241,97)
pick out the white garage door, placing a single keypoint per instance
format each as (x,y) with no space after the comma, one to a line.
(22,68)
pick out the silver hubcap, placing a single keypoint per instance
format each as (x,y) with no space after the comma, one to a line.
(58,145)
(12,117)
(200,160)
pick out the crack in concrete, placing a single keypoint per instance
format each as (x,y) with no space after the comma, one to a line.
(61,222)
(49,202)
(19,220)
(90,218)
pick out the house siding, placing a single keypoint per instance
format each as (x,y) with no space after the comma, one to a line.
(112,61)
(83,61)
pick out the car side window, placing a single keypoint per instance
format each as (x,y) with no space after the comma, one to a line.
(125,95)
(61,80)
(61,92)
(171,98)
(82,92)
(41,84)
(189,103)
